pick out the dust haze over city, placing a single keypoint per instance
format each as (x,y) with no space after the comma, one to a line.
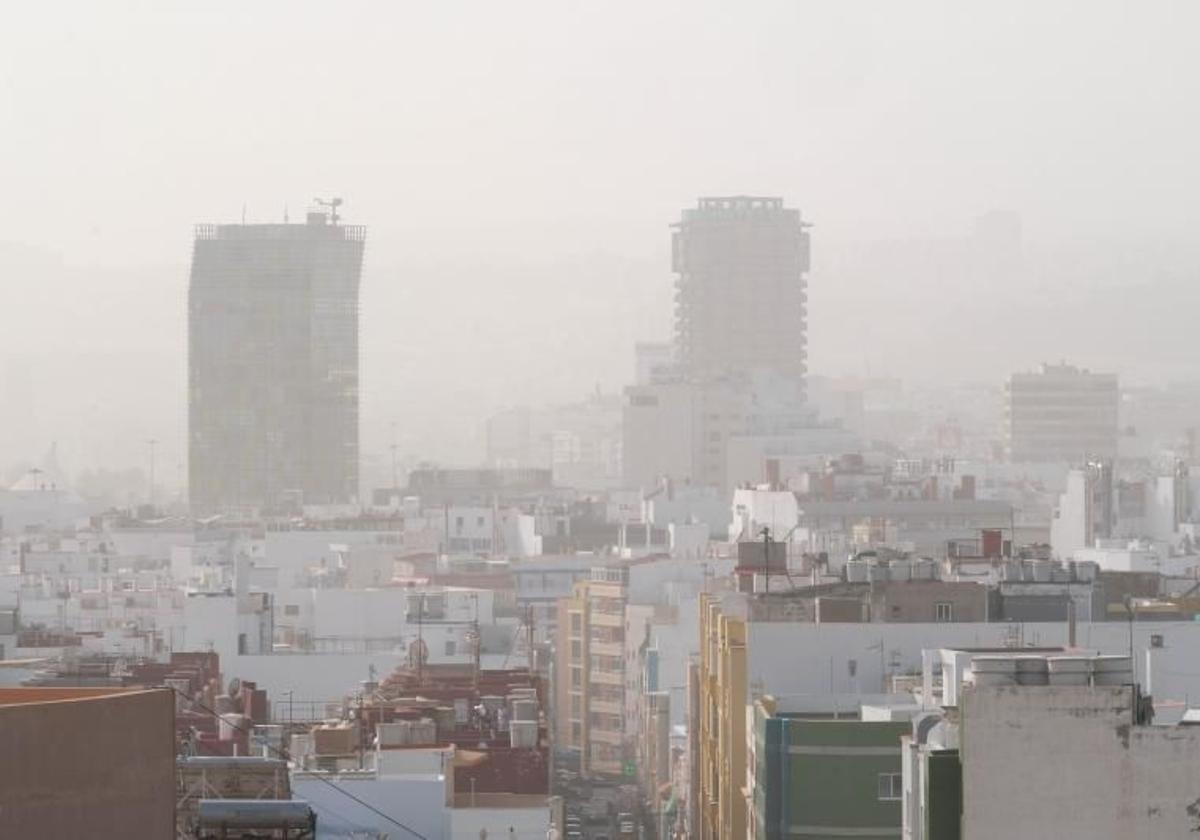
(842,348)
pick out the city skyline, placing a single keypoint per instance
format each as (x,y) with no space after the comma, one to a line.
(852,117)
(671,420)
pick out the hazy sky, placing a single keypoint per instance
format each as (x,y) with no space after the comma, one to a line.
(518,164)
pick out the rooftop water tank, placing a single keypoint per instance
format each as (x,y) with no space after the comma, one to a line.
(1069,670)
(1112,670)
(993,670)
(525,710)
(523,734)
(1032,670)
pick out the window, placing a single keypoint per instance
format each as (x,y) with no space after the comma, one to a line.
(451,646)
(943,611)
(576,624)
(576,649)
(576,677)
(291,609)
(891,786)
(576,706)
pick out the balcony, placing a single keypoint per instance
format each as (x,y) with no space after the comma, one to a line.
(612,737)
(612,707)
(607,678)
(606,649)
(606,768)
(603,619)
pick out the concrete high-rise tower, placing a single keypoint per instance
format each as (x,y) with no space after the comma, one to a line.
(740,291)
(273,364)
(1062,413)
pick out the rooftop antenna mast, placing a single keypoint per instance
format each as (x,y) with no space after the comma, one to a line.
(333,204)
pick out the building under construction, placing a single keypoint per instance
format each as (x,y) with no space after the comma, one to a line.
(273,364)
(740,290)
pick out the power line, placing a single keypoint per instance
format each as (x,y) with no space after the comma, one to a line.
(281,754)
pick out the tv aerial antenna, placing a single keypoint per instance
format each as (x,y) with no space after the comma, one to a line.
(333,204)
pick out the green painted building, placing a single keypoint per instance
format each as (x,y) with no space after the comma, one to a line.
(818,776)
(941,809)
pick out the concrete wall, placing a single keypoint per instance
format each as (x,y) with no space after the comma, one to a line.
(1065,762)
(87,763)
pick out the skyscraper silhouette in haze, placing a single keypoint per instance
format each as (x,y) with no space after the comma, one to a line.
(273,364)
(740,288)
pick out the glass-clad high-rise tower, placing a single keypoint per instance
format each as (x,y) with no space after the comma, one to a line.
(273,364)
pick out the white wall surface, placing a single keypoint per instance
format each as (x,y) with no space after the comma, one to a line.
(359,613)
(293,551)
(417,804)
(312,677)
(809,658)
(526,823)
(1068,525)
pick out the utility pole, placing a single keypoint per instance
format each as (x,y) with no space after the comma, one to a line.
(476,644)
(529,636)
(1129,608)
(421,641)
(766,534)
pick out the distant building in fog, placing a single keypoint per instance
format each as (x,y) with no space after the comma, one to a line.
(580,442)
(653,361)
(726,400)
(273,364)
(1061,413)
(740,299)
(720,432)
